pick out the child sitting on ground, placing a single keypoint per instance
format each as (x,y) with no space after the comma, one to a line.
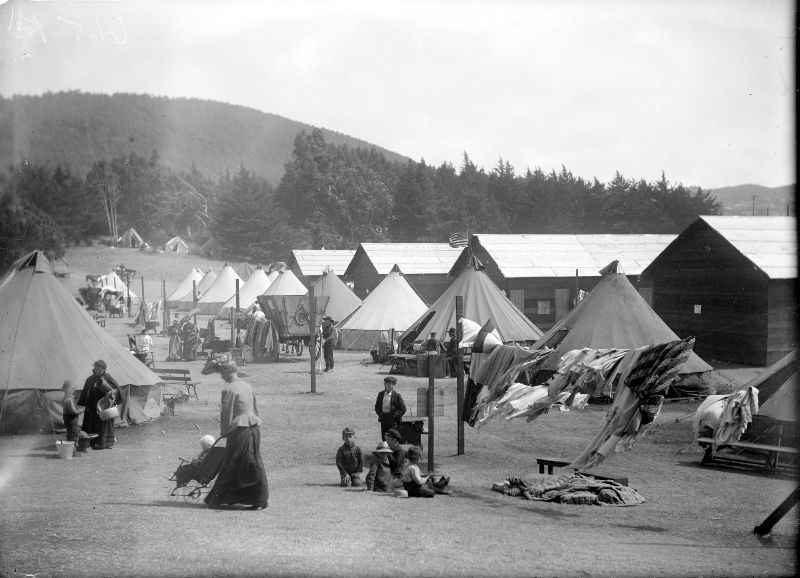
(349,460)
(413,481)
(72,414)
(379,478)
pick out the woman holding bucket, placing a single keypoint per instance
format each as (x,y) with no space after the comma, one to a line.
(98,387)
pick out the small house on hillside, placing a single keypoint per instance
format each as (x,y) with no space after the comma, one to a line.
(308,264)
(424,265)
(730,282)
(130,239)
(543,274)
(176,245)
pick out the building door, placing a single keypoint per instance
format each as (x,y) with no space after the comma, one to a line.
(562,303)
(518,298)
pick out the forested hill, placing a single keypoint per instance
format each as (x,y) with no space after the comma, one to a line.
(77,129)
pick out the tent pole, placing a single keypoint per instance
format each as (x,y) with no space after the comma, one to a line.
(430,412)
(459,376)
(236,317)
(165,312)
(194,300)
(312,326)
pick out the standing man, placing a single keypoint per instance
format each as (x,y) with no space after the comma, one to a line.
(328,337)
(389,406)
(451,351)
(129,305)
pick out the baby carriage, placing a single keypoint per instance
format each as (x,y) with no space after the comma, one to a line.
(193,477)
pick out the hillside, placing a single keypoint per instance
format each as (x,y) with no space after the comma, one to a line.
(76,129)
(739,200)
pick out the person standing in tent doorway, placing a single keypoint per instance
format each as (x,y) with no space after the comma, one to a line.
(100,385)
(328,337)
(451,351)
(389,406)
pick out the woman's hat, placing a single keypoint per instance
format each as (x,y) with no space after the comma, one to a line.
(383,448)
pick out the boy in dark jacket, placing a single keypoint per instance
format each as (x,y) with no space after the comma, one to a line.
(349,460)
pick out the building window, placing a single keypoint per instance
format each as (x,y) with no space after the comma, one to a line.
(543,307)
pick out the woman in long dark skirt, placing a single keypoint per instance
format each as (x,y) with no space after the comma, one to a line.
(242,479)
(98,386)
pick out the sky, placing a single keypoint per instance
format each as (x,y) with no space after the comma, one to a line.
(701,90)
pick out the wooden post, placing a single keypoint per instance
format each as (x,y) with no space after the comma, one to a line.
(765,527)
(459,376)
(236,316)
(577,288)
(430,413)
(312,327)
(142,278)
(165,314)
(194,300)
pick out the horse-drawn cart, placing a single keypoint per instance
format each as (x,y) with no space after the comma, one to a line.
(289,318)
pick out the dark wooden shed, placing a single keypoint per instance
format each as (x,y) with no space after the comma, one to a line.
(538,272)
(424,265)
(730,282)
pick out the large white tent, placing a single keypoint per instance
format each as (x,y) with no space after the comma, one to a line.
(115,282)
(46,337)
(393,304)
(219,292)
(256,284)
(186,302)
(342,301)
(189,282)
(483,301)
(286,283)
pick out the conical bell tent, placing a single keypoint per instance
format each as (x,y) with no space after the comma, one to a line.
(222,289)
(393,304)
(188,283)
(612,315)
(482,301)
(186,302)
(256,284)
(46,337)
(342,300)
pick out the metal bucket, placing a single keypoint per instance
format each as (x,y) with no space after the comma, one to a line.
(65,449)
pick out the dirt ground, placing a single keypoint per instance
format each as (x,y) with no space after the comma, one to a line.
(108,513)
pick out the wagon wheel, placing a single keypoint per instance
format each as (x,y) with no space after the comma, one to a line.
(298,348)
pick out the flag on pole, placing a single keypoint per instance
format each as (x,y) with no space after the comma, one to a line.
(459,239)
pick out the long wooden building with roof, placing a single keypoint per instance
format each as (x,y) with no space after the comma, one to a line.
(543,274)
(730,282)
(308,264)
(424,265)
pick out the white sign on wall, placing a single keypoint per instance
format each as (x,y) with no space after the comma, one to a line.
(698,309)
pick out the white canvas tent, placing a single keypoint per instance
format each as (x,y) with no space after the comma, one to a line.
(223,287)
(46,337)
(483,301)
(614,315)
(342,300)
(286,283)
(130,239)
(185,303)
(252,288)
(393,304)
(115,282)
(188,283)
(176,245)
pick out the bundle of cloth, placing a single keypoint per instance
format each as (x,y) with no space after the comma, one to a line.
(570,489)
(726,417)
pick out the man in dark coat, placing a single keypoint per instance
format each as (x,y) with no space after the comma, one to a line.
(389,406)
(328,336)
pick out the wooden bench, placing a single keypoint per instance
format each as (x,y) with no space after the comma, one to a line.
(772,451)
(180,376)
(550,463)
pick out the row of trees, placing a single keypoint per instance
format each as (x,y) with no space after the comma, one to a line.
(330,195)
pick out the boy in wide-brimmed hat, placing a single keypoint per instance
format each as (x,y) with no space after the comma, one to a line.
(379,478)
(349,459)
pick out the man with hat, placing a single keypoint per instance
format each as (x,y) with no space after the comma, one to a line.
(328,337)
(398,457)
(389,406)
